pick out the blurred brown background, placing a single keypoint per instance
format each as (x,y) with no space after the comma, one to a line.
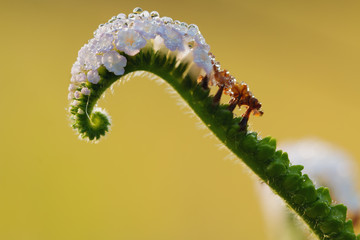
(156,176)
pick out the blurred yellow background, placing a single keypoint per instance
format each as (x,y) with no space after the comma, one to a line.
(156,176)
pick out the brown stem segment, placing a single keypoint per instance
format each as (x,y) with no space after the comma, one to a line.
(233,104)
(217,97)
(245,119)
(205,82)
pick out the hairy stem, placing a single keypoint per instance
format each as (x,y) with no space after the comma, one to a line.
(273,167)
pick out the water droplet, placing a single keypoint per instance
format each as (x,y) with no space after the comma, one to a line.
(177,22)
(184,24)
(167,20)
(191,44)
(131,16)
(112,19)
(193,30)
(121,16)
(154,14)
(201,39)
(194,26)
(137,10)
(145,15)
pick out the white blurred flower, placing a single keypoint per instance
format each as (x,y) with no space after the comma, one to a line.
(327,166)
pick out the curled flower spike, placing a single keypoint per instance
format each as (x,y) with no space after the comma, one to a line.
(178,53)
(142,41)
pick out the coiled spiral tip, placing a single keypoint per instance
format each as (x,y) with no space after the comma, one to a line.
(93,126)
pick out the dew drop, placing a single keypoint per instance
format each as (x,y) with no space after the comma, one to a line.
(131,16)
(184,24)
(145,14)
(137,10)
(193,30)
(191,44)
(191,26)
(112,19)
(154,14)
(121,16)
(201,39)
(167,20)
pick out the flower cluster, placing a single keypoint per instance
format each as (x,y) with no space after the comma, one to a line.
(125,35)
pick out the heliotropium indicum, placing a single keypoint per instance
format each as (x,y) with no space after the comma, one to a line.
(178,53)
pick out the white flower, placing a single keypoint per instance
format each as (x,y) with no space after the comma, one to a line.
(200,40)
(193,30)
(145,15)
(202,59)
(78,78)
(173,39)
(72,87)
(114,62)
(147,29)
(182,27)
(129,41)
(70,95)
(75,103)
(77,94)
(76,68)
(93,76)
(85,91)
(104,43)
(88,57)
(328,166)
(121,16)
(80,111)
(103,28)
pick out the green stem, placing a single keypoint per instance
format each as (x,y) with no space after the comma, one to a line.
(273,167)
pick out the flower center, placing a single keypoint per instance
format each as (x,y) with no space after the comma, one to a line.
(130,40)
